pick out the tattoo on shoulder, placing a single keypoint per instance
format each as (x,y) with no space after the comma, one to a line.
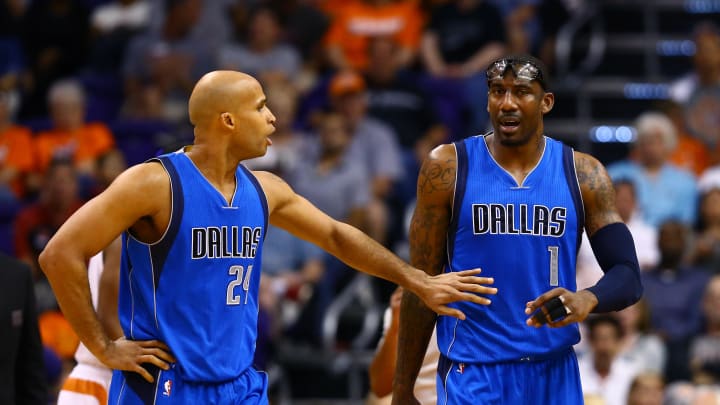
(437,175)
(598,193)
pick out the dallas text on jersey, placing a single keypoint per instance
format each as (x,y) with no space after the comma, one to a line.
(537,220)
(224,242)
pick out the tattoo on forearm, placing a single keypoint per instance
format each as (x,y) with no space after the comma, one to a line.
(437,176)
(416,324)
(428,240)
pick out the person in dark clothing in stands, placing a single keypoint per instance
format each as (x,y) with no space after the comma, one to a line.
(22,372)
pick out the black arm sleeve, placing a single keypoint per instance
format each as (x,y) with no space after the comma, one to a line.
(620,286)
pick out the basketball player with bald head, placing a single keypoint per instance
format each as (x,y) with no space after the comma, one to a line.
(192,225)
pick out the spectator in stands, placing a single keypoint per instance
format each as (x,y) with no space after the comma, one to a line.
(522,24)
(11,16)
(689,153)
(113,25)
(22,376)
(162,65)
(262,55)
(705,348)
(333,180)
(699,91)
(706,247)
(289,145)
(357,22)
(673,292)
(305,27)
(12,63)
(532,25)
(338,185)
(16,154)
(373,146)
(109,166)
(603,372)
(396,98)
(687,393)
(706,63)
(291,269)
(71,137)
(664,191)
(647,388)
(461,39)
(56,36)
(36,223)
(644,235)
(638,345)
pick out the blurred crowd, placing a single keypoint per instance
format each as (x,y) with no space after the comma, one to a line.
(362,91)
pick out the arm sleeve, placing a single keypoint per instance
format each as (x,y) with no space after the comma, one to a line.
(620,286)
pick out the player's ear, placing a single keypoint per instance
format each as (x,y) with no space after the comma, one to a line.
(548,102)
(227,120)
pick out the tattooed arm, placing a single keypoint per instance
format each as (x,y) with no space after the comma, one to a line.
(613,247)
(428,237)
(598,193)
(610,240)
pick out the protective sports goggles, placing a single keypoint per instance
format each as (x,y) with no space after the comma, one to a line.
(522,69)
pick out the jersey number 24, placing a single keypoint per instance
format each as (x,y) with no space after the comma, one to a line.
(242,278)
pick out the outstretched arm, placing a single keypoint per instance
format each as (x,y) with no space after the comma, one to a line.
(613,246)
(299,217)
(64,260)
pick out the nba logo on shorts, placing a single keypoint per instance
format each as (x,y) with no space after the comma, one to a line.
(167,388)
(461,368)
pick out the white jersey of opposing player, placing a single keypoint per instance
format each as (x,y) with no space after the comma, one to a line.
(89,381)
(95,269)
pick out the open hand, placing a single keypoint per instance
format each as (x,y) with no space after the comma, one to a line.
(437,291)
(129,355)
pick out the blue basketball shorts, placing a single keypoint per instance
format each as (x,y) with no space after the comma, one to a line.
(532,381)
(129,388)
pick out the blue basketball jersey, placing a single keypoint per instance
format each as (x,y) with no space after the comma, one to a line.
(526,236)
(196,288)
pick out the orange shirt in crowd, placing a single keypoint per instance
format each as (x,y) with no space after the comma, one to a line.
(16,153)
(691,154)
(358,22)
(57,334)
(87,143)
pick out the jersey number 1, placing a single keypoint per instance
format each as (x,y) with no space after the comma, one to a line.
(238,272)
(554,282)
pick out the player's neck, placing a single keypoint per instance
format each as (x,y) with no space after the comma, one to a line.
(217,167)
(517,157)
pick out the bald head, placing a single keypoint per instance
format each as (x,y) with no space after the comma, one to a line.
(218,92)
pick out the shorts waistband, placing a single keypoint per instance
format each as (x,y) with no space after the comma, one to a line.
(524,359)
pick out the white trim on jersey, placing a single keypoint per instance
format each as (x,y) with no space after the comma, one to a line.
(152,269)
